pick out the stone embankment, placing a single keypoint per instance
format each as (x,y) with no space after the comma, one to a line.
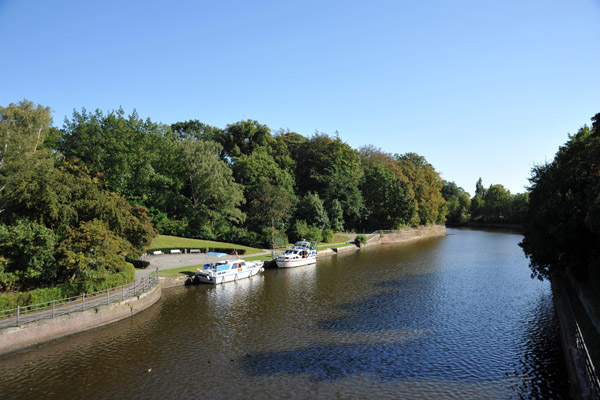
(44,330)
(388,237)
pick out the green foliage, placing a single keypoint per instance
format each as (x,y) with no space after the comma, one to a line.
(562,227)
(11,300)
(327,236)
(137,159)
(333,170)
(360,240)
(213,191)
(91,251)
(27,250)
(300,230)
(426,184)
(138,263)
(388,200)
(310,208)
(336,215)
(269,190)
(458,201)
(494,205)
(244,137)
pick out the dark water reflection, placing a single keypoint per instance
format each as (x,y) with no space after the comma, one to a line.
(449,318)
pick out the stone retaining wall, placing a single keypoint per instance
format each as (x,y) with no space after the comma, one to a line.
(413,234)
(31,334)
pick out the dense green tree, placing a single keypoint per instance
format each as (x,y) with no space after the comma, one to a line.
(91,251)
(244,137)
(214,193)
(497,204)
(197,130)
(28,251)
(294,143)
(23,129)
(269,190)
(426,185)
(311,209)
(126,151)
(562,227)
(388,201)
(336,215)
(459,203)
(518,208)
(333,170)
(300,230)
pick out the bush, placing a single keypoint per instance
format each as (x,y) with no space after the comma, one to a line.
(58,292)
(327,235)
(138,263)
(360,240)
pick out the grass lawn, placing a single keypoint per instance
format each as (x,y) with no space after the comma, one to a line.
(323,246)
(177,272)
(173,242)
(340,238)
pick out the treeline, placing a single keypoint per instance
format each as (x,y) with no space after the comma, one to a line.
(245,184)
(494,205)
(562,227)
(77,201)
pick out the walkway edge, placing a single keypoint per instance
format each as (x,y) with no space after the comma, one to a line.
(18,338)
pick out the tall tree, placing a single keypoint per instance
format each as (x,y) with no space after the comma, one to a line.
(269,190)
(23,129)
(331,168)
(214,193)
(562,228)
(126,151)
(311,209)
(458,203)
(243,137)
(388,201)
(426,184)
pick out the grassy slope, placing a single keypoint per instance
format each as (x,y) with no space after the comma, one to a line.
(173,242)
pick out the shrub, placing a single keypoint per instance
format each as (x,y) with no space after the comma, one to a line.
(13,299)
(138,263)
(327,235)
(360,240)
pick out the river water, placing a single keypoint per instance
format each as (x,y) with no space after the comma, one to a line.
(455,317)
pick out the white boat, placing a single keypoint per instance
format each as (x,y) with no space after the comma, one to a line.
(302,253)
(227,270)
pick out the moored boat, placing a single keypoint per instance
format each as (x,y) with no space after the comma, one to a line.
(302,253)
(227,270)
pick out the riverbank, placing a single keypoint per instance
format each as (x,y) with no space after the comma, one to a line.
(579,338)
(45,330)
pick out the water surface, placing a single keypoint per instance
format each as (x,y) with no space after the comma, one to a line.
(456,317)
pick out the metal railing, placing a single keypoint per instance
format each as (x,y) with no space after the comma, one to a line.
(589,384)
(590,373)
(55,308)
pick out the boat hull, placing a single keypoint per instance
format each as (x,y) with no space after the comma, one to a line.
(295,263)
(207,277)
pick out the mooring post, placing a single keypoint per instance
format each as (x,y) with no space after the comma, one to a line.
(83,303)
(107,297)
(53,301)
(18,312)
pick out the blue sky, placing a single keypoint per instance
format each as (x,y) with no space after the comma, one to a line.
(480,88)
